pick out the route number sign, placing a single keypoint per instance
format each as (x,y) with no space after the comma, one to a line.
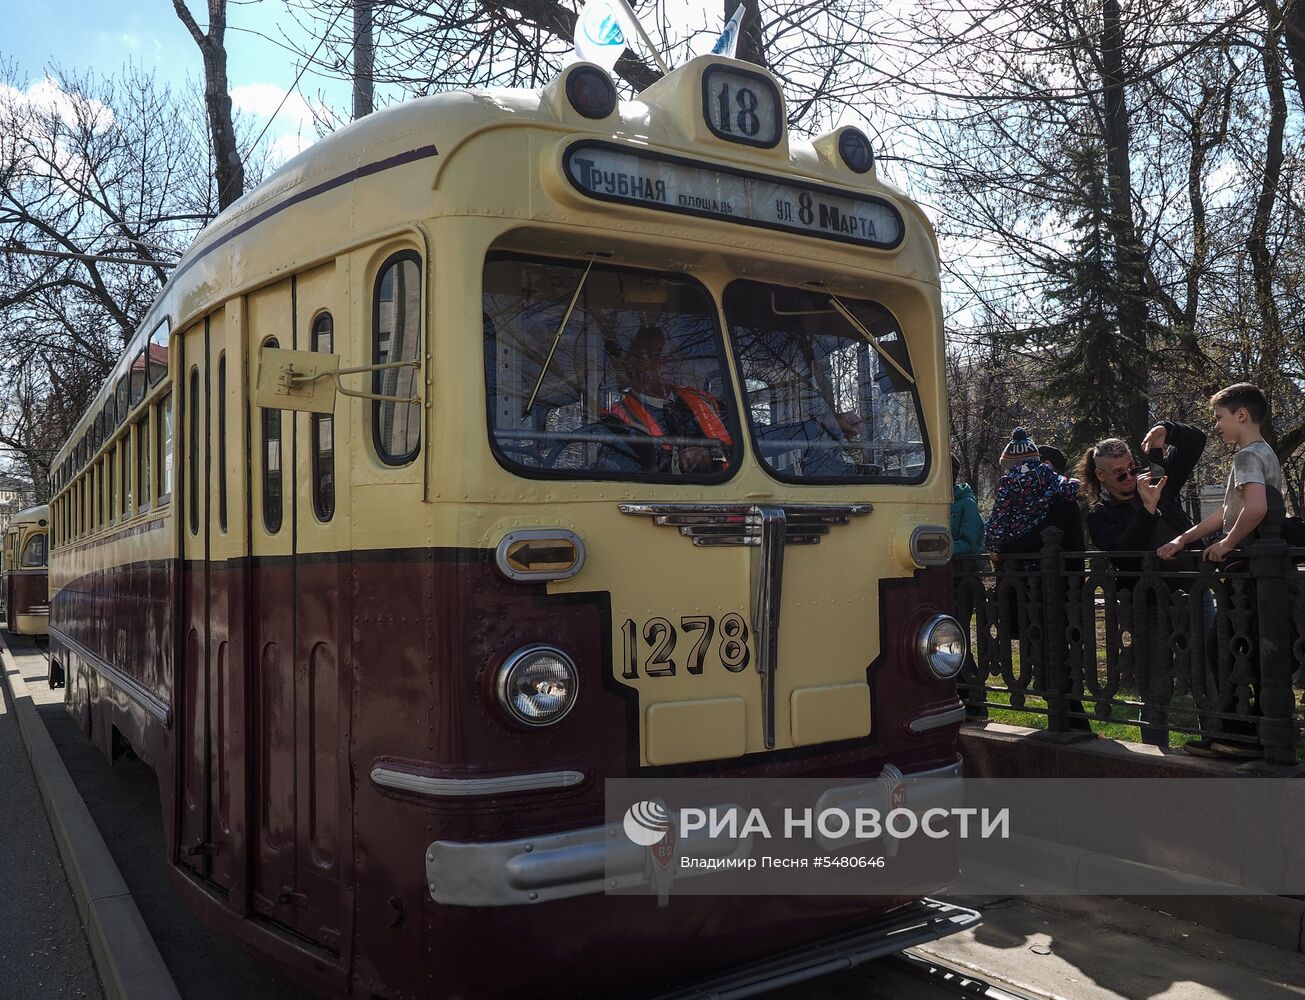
(741,106)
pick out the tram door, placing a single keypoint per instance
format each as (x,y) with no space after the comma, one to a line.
(299,624)
(208,489)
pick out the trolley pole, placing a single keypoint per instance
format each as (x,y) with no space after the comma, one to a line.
(362,58)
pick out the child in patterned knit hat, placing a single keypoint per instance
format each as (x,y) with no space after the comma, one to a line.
(1026,492)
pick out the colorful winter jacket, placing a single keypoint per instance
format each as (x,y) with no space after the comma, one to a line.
(1025,494)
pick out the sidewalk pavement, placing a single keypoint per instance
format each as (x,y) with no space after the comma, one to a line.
(124,954)
(43,948)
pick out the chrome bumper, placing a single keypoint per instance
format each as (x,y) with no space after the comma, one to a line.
(600,858)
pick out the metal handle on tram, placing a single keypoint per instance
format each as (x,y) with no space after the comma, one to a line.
(292,379)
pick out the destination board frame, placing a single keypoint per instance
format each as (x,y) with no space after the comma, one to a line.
(642,153)
(762,81)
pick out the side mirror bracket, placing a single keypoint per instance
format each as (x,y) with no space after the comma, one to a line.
(309,380)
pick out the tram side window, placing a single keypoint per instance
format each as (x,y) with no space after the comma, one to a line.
(157,357)
(110,496)
(323,432)
(124,470)
(396,336)
(164,462)
(34,552)
(192,449)
(138,377)
(271,465)
(222,440)
(143,462)
(120,399)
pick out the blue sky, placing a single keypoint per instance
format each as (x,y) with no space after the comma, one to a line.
(103,35)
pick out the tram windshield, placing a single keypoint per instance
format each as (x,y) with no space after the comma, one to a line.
(34,552)
(603,372)
(830,392)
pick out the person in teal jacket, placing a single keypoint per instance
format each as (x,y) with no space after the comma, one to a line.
(967,525)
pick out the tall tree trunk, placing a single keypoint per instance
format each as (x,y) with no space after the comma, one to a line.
(1129,260)
(228,167)
(1293,25)
(752,45)
(362,59)
(1257,242)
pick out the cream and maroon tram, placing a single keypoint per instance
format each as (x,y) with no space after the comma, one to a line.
(25,575)
(502,443)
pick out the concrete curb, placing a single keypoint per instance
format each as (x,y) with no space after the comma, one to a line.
(125,955)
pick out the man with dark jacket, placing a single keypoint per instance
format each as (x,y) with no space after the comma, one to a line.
(1128,507)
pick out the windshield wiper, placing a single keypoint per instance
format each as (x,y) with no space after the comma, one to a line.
(860,328)
(561,327)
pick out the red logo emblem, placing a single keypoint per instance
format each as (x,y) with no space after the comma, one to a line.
(899,796)
(663,851)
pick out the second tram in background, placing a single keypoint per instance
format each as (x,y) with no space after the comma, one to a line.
(25,575)
(500,444)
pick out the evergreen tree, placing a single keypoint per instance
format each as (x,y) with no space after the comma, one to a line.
(1094,368)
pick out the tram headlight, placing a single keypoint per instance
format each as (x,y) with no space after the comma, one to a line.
(591,92)
(856,151)
(537,686)
(942,646)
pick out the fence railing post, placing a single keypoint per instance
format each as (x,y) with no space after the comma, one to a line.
(1270,565)
(1055,653)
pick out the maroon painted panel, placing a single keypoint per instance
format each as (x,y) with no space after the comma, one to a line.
(29,591)
(389,657)
(322,623)
(274,741)
(219,685)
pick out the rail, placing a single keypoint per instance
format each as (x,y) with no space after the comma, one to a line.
(1185,647)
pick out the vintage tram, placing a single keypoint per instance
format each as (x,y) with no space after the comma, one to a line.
(501,443)
(25,573)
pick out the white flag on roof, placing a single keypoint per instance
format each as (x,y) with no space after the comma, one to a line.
(728,42)
(602,32)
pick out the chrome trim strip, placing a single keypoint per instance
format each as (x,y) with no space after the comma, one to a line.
(421,784)
(936,720)
(598,859)
(941,787)
(131,687)
(766,571)
(557,866)
(711,524)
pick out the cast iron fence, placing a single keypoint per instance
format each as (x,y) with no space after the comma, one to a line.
(1204,649)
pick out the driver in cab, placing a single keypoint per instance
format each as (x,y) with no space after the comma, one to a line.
(664,428)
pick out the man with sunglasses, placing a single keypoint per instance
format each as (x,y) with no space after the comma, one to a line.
(1132,509)
(1129,508)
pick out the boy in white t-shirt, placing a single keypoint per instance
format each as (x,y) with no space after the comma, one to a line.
(1252,496)
(1254,489)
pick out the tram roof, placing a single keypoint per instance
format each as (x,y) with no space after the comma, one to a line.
(663,116)
(31,515)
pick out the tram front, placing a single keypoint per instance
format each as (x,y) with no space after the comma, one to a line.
(678,433)
(698,512)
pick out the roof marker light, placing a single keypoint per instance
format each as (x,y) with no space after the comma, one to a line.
(591,92)
(855,149)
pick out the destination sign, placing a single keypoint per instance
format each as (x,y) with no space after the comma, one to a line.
(673,184)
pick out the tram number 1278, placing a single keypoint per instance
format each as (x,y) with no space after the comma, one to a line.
(660,638)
